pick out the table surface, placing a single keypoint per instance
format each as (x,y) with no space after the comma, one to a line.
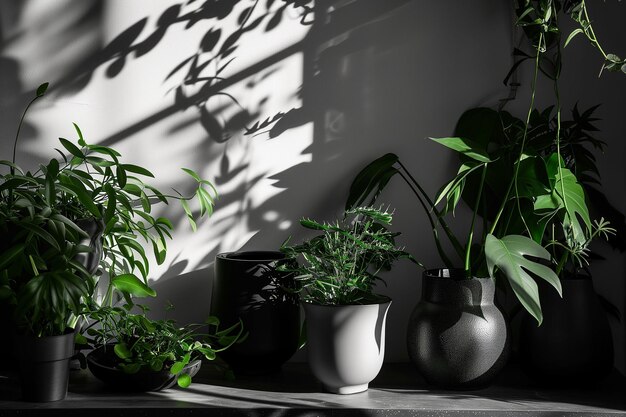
(398,390)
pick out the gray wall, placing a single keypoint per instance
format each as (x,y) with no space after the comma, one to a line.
(389,79)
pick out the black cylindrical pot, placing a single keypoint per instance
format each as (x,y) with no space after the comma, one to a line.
(573,345)
(44,366)
(457,337)
(247,286)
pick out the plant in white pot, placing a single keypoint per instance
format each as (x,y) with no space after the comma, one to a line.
(345,319)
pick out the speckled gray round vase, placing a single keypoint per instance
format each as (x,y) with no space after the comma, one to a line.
(346,344)
(457,337)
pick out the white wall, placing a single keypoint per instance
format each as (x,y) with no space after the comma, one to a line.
(409,76)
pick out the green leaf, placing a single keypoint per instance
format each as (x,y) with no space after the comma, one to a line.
(137,170)
(466,147)
(156,364)
(184,380)
(120,173)
(41,90)
(509,254)
(81,140)
(131,284)
(371,180)
(571,36)
(159,249)
(122,351)
(79,339)
(71,148)
(8,255)
(212,321)
(177,367)
(573,196)
(193,174)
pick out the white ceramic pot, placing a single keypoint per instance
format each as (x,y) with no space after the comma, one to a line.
(346,344)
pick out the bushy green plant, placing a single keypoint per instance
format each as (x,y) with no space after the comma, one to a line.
(133,342)
(42,272)
(341,265)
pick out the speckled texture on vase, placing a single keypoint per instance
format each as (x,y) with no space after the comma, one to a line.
(346,344)
(456,336)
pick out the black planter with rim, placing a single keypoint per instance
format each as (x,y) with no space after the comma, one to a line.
(457,337)
(573,346)
(102,364)
(247,286)
(44,366)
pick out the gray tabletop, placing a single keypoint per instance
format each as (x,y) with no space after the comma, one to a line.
(398,390)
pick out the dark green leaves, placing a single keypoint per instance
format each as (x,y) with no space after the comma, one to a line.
(131,284)
(371,181)
(465,146)
(41,90)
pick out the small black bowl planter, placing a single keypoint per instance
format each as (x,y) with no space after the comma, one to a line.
(101,363)
(44,366)
(457,337)
(573,346)
(247,286)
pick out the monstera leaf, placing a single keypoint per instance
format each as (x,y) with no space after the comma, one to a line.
(509,254)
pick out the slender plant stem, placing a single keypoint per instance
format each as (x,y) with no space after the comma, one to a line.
(470,238)
(455,242)
(513,181)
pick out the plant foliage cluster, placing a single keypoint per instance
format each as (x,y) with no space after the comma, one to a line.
(341,265)
(134,343)
(525,179)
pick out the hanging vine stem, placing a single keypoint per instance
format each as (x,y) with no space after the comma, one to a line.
(580,15)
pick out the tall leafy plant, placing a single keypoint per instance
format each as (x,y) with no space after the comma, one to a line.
(41,213)
(533,209)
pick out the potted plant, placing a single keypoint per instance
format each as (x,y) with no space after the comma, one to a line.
(134,353)
(345,319)
(73,214)
(516,188)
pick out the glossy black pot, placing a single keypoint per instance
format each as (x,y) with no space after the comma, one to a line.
(457,337)
(44,366)
(573,345)
(247,286)
(101,363)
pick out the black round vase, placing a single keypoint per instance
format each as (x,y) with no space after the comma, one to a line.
(573,345)
(44,366)
(457,337)
(247,286)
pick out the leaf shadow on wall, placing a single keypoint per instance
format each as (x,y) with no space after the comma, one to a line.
(335,93)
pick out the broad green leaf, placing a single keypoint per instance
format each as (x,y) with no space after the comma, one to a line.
(131,284)
(177,367)
(184,380)
(466,147)
(122,351)
(509,254)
